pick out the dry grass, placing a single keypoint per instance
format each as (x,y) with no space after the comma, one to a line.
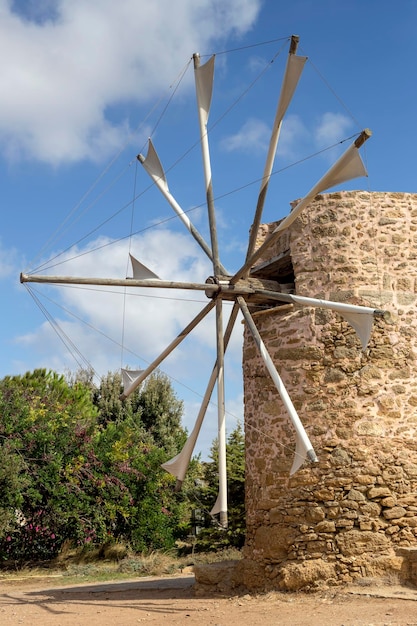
(112,562)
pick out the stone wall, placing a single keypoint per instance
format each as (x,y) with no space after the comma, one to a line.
(354,513)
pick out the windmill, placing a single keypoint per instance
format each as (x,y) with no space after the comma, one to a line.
(242,288)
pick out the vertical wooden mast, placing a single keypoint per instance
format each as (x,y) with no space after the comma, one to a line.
(204,84)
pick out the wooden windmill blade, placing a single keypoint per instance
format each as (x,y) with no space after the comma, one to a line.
(153,166)
(347,167)
(304,448)
(204,75)
(293,70)
(179,464)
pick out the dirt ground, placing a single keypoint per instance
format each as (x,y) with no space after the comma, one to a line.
(173,601)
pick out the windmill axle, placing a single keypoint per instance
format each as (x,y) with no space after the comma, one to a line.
(249,288)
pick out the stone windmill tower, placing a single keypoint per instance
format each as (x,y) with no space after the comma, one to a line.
(354,514)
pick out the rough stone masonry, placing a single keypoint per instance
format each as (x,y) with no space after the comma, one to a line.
(354,514)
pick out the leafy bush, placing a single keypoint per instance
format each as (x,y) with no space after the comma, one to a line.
(78,467)
(211,536)
(69,474)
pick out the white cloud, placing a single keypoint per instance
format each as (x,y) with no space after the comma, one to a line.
(293,135)
(8,261)
(60,76)
(295,138)
(253,137)
(332,127)
(151,318)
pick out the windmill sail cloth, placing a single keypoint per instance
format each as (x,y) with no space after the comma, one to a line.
(217,508)
(140,271)
(293,70)
(304,448)
(178,465)
(129,376)
(204,75)
(300,455)
(292,75)
(362,323)
(153,166)
(348,167)
(359,317)
(131,381)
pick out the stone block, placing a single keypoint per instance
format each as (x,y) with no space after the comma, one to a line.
(315,514)
(378,492)
(356,542)
(370,509)
(298,576)
(221,577)
(395,513)
(355,495)
(389,502)
(273,541)
(326,526)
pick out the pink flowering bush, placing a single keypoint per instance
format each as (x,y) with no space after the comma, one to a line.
(80,467)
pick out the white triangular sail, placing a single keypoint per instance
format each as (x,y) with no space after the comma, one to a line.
(129,377)
(217,508)
(347,167)
(359,317)
(178,465)
(304,448)
(293,70)
(292,75)
(362,323)
(300,455)
(153,166)
(204,75)
(140,271)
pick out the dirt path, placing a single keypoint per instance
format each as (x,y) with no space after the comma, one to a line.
(172,601)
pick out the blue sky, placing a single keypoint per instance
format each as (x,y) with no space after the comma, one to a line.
(85,82)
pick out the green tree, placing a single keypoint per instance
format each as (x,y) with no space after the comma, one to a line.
(140,434)
(153,409)
(214,537)
(161,413)
(111,408)
(76,464)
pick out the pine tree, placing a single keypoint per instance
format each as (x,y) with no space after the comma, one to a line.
(213,537)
